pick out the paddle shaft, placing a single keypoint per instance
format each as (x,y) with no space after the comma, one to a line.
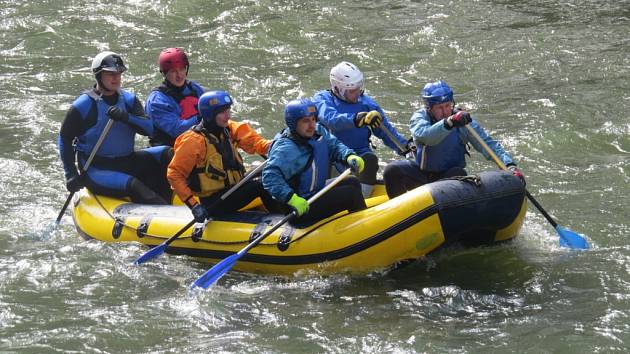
(86,165)
(249,176)
(501,165)
(393,139)
(218,270)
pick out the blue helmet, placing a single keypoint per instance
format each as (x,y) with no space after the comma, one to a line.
(298,109)
(436,92)
(212,103)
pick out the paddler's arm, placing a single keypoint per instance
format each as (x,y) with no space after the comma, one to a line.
(248,139)
(190,150)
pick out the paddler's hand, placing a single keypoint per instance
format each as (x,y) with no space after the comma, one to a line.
(356,163)
(371,119)
(458,119)
(117,114)
(74,184)
(200,213)
(516,172)
(299,204)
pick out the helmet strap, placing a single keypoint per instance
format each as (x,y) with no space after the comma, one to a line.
(101,88)
(336,93)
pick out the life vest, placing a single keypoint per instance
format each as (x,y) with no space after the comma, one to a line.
(222,166)
(188,108)
(187,103)
(120,138)
(313,176)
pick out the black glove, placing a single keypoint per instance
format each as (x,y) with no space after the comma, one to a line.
(74,184)
(200,213)
(118,114)
(458,119)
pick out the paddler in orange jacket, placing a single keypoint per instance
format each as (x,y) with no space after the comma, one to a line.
(207,163)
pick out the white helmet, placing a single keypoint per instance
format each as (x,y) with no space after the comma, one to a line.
(108,61)
(345,76)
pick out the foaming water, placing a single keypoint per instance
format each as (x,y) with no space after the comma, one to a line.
(547,79)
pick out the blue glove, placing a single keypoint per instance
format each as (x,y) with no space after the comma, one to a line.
(199,213)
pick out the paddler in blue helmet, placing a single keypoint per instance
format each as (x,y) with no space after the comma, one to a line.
(207,161)
(441,140)
(117,169)
(299,164)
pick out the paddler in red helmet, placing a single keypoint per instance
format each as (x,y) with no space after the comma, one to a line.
(173,105)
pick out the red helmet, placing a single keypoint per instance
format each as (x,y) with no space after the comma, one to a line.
(171,58)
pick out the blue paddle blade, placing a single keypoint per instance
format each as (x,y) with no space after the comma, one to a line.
(571,239)
(150,254)
(215,273)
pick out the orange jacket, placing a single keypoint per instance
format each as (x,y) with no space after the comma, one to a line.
(190,151)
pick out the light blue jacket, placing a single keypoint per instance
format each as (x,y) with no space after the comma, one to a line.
(288,159)
(440,149)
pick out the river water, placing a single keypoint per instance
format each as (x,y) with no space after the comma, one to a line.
(549,79)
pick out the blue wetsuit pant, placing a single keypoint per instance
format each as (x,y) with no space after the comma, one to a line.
(140,175)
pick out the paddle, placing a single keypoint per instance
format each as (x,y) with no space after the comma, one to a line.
(86,166)
(219,269)
(568,238)
(159,249)
(401,148)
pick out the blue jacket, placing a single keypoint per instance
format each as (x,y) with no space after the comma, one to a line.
(338,116)
(166,112)
(440,149)
(288,160)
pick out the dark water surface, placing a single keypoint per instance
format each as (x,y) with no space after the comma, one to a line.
(547,78)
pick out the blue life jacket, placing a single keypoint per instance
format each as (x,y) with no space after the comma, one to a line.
(449,153)
(313,177)
(121,137)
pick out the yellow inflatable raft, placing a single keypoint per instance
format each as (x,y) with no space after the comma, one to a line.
(475,210)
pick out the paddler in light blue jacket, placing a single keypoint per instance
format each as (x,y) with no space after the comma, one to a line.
(299,163)
(439,134)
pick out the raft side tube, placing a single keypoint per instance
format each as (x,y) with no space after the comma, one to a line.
(475,212)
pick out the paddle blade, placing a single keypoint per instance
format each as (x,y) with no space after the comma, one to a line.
(152,253)
(215,273)
(571,239)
